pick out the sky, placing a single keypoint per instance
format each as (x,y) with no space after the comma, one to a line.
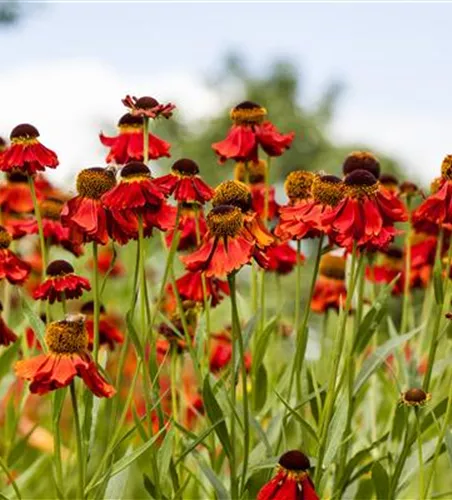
(66,66)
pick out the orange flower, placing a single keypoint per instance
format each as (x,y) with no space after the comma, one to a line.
(282,258)
(12,268)
(330,291)
(188,238)
(67,358)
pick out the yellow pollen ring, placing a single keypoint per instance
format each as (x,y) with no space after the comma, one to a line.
(248,115)
(327,193)
(136,178)
(67,337)
(25,141)
(446,168)
(361,191)
(223,223)
(233,193)
(93,183)
(298,185)
(5,239)
(130,129)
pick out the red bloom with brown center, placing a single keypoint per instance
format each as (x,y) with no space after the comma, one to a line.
(61,283)
(109,333)
(68,357)
(304,218)
(188,237)
(292,481)
(190,288)
(282,258)
(250,131)
(15,195)
(366,215)
(329,291)
(85,214)
(184,183)
(227,245)
(107,262)
(7,336)
(221,352)
(391,266)
(148,107)
(361,160)
(26,153)
(128,145)
(12,268)
(436,210)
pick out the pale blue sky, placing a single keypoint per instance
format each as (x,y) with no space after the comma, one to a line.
(393,58)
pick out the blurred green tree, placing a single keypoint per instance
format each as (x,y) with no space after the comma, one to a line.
(10,11)
(280,90)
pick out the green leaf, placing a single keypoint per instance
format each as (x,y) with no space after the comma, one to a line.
(336,429)
(149,486)
(438,283)
(198,440)
(216,416)
(379,357)
(448,441)
(262,388)
(262,344)
(381,481)
(213,479)
(373,318)
(306,426)
(133,335)
(399,423)
(7,357)
(165,452)
(36,323)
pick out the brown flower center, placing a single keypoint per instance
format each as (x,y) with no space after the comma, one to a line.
(332,266)
(328,190)
(16,177)
(135,170)
(295,460)
(51,208)
(298,185)
(233,193)
(446,168)
(247,112)
(59,268)
(185,167)
(88,308)
(129,121)
(67,336)
(255,172)
(415,397)
(146,102)
(361,160)
(225,220)
(24,131)
(360,183)
(94,182)
(5,238)
(389,181)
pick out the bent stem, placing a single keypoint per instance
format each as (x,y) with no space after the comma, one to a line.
(237,338)
(96,303)
(78,437)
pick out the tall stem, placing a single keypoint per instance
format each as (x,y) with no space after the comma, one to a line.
(96,302)
(78,437)
(421,460)
(42,241)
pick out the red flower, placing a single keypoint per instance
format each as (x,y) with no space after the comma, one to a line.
(109,333)
(190,288)
(391,266)
(68,357)
(226,246)
(105,260)
(366,215)
(148,107)
(7,336)
(250,131)
(85,214)
(188,237)
(282,258)
(184,183)
(128,145)
(258,201)
(221,352)
(15,195)
(423,254)
(61,283)
(330,291)
(26,153)
(292,481)
(436,210)
(12,268)
(304,218)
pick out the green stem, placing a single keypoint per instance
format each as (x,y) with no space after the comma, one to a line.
(96,303)
(37,211)
(406,284)
(57,444)
(237,338)
(421,460)
(439,316)
(78,437)
(10,477)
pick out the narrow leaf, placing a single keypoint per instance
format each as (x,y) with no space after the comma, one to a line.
(381,481)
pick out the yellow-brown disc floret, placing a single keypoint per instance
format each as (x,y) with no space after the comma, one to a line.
(5,238)
(415,397)
(446,168)
(247,112)
(360,183)
(233,193)
(68,336)
(225,221)
(298,185)
(94,182)
(332,266)
(253,171)
(327,190)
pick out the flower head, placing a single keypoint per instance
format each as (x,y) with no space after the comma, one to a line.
(330,290)
(12,268)
(190,287)
(292,481)
(128,145)
(148,107)
(361,160)
(415,397)
(390,182)
(298,185)
(221,351)
(184,183)
(188,232)
(61,283)
(248,132)
(26,153)
(67,357)
(282,258)
(85,214)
